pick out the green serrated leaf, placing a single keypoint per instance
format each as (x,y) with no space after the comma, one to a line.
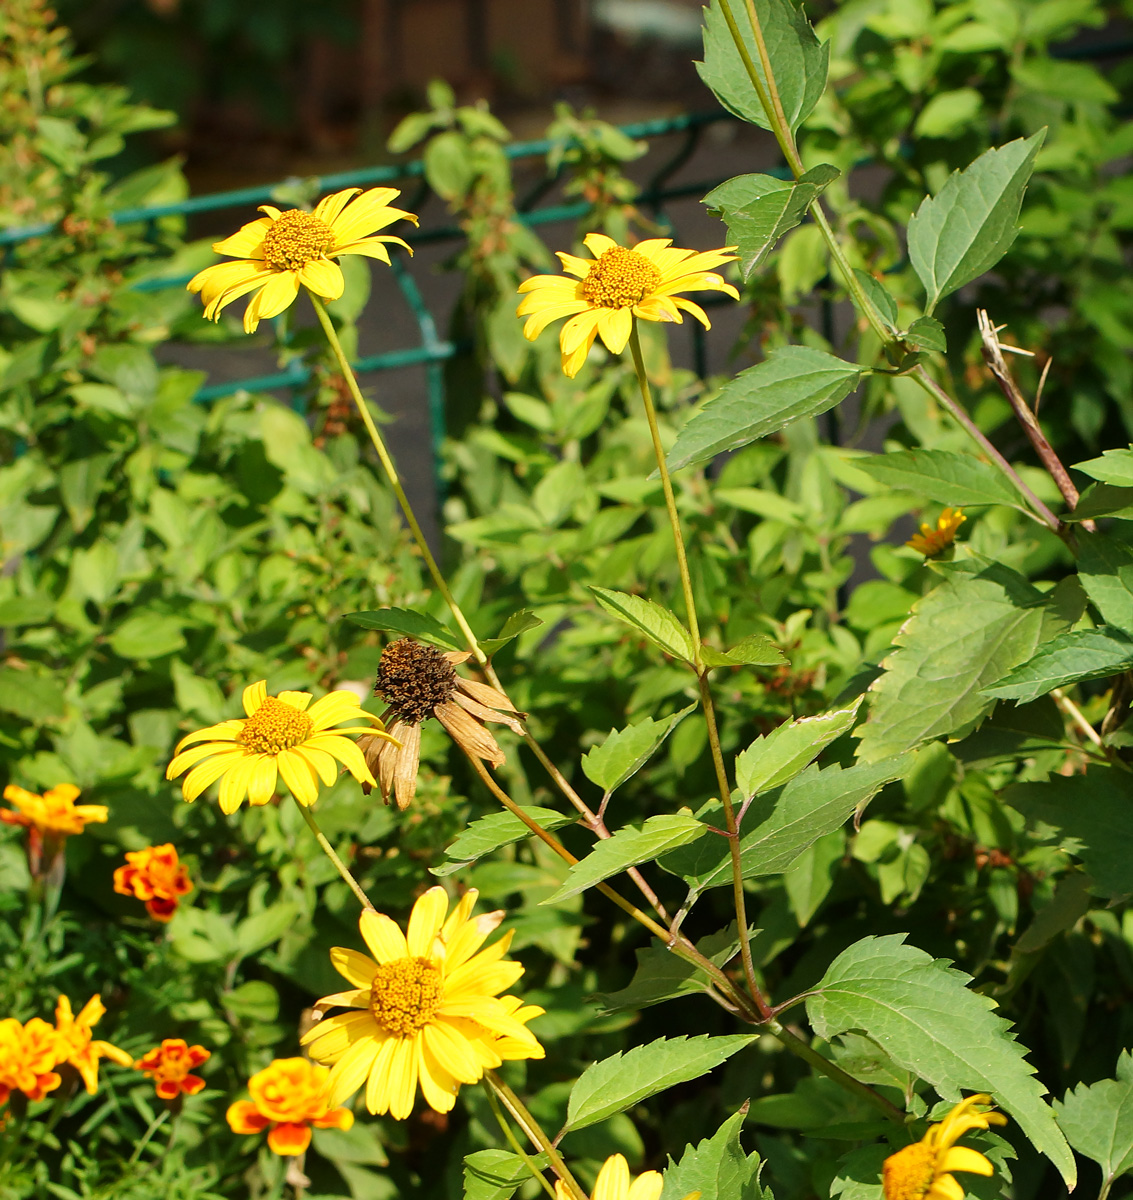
(775,758)
(1114,466)
(718,1168)
(493,831)
(497,1174)
(782,823)
(1105,567)
(794,382)
(799,62)
(1072,657)
(968,226)
(617,1083)
(659,625)
(927,1019)
(407,623)
(628,847)
(880,299)
(956,479)
(1091,812)
(627,750)
(960,638)
(1103,500)
(1098,1120)
(759,209)
(756,650)
(927,333)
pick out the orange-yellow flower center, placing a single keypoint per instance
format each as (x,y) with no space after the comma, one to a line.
(620,278)
(274,726)
(295,239)
(908,1174)
(404,995)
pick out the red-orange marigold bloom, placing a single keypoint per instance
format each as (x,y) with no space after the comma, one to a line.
(77,1045)
(169,1064)
(27,1055)
(288,1097)
(156,876)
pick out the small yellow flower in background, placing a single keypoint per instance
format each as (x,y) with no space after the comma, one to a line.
(49,819)
(156,876)
(923,1171)
(418,681)
(931,542)
(288,1097)
(618,284)
(432,1014)
(283,250)
(613,1183)
(28,1054)
(169,1066)
(76,1044)
(280,736)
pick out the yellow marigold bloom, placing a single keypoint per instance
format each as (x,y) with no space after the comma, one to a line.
(431,1009)
(76,1044)
(614,1183)
(601,296)
(931,542)
(283,250)
(54,814)
(28,1054)
(288,1097)
(156,876)
(923,1171)
(169,1064)
(280,736)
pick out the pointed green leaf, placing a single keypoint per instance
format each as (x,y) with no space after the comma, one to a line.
(1114,466)
(940,475)
(759,209)
(781,824)
(799,62)
(756,650)
(1105,567)
(1103,500)
(927,1019)
(617,1083)
(960,638)
(497,1174)
(778,756)
(968,226)
(495,830)
(880,299)
(627,848)
(408,624)
(718,1168)
(927,333)
(1097,1119)
(658,624)
(627,750)
(517,623)
(794,382)
(1072,657)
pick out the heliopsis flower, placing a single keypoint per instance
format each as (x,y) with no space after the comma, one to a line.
(431,1013)
(28,1054)
(613,1183)
(282,250)
(156,876)
(280,735)
(288,1097)
(923,1171)
(417,682)
(76,1044)
(931,542)
(618,284)
(169,1066)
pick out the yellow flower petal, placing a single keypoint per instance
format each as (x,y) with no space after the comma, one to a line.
(324,278)
(261,785)
(247,241)
(299,776)
(276,295)
(383,937)
(329,207)
(962,1158)
(425,922)
(613,1179)
(403,1077)
(253,697)
(354,967)
(207,773)
(234,785)
(349,1073)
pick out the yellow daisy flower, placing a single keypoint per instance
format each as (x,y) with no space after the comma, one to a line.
(431,1010)
(931,542)
(282,250)
(281,735)
(614,1183)
(618,284)
(923,1171)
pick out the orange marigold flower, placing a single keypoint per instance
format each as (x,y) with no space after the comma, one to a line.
(156,876)
(169,1064)
(54,814)
(28,1054)
(288,1097)
(923,1171)
(76,1044)
(931,542)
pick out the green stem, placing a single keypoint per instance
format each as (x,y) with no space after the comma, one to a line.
(394,479)
(513,1142)
(534,1132)
(154,1126)
(329,851)
(701,674)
